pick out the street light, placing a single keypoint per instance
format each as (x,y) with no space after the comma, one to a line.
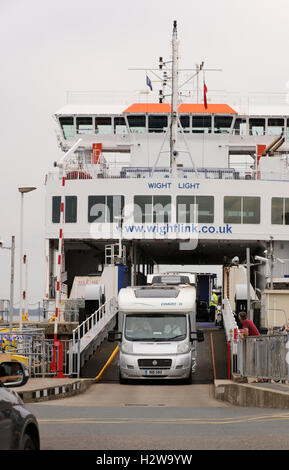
(23,190)
(12,248)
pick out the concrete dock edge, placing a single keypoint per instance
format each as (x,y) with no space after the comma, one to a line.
(52,390)
(248,395)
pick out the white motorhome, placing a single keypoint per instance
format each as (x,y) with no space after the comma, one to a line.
(157,332)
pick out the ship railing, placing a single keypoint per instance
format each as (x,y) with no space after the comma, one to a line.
(127,172)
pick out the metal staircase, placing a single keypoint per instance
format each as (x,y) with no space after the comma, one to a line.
(88,336)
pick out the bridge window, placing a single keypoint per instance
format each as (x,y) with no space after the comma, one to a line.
(70,209)
(223,124)
(142,209)
(240,126)
(158,123)
(280,210)
(201,124)
(84,125)
(67,126)
(257,126)
(120,126)
(195,208)
(149,209)
(137,124)
(275,126)
(161,209)
(105,209)
(185,123)
(241,210)
(103,125)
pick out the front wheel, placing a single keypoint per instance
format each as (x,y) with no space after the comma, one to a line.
(189,379)
(28,443)
(121,379)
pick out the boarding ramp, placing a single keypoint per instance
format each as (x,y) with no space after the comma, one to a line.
(212,361)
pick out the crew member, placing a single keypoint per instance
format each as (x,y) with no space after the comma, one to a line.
(213,305)
(249,327)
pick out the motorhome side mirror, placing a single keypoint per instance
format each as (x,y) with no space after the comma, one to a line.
(200,336)
(197,336)
(114,336)
(13,374)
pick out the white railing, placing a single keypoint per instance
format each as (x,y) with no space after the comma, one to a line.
(127,172)
(235,345)
(229,320)
(89,330)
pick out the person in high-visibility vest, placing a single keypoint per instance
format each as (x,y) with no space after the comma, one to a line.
(213,306)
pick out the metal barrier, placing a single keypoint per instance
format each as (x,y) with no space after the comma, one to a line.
(37,352)
(32,348)
(266,357)
(69,309)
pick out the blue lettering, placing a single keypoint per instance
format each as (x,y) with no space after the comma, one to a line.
(159,185)
(188,185)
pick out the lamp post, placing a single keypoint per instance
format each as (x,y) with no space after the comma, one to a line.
(11,302)
(23,190)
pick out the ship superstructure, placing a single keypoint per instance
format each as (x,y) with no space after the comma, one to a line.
(163,180)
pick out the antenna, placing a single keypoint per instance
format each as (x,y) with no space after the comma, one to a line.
(174,106)
(170,78)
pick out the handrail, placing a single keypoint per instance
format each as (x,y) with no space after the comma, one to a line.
(96,321)
(229,320)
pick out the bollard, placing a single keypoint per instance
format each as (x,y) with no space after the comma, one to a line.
(229,360)
(57,365)
(235,355)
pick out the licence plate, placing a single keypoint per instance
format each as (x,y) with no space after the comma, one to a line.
(153,372)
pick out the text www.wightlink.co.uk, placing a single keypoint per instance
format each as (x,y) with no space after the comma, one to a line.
(164,229)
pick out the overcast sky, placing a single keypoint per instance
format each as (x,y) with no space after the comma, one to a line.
(49,47)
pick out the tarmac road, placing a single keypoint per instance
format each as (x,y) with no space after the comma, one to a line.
(156,417)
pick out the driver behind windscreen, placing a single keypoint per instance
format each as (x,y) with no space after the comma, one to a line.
(15,372)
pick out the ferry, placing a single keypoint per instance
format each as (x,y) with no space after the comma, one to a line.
(159,182)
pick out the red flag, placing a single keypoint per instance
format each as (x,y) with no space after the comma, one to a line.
(205,95)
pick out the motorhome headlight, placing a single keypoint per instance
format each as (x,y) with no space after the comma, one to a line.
(127,348)
(183,348)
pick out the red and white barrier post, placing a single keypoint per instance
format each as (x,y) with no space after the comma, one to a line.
(57,363)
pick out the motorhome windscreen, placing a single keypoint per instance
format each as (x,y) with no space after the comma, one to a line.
(155,327)
(156,293)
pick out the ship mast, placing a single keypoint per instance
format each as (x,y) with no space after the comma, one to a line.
(174,107)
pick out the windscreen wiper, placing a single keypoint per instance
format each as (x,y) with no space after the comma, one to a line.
(175,337)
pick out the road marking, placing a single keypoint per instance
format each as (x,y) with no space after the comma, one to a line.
(235,420)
